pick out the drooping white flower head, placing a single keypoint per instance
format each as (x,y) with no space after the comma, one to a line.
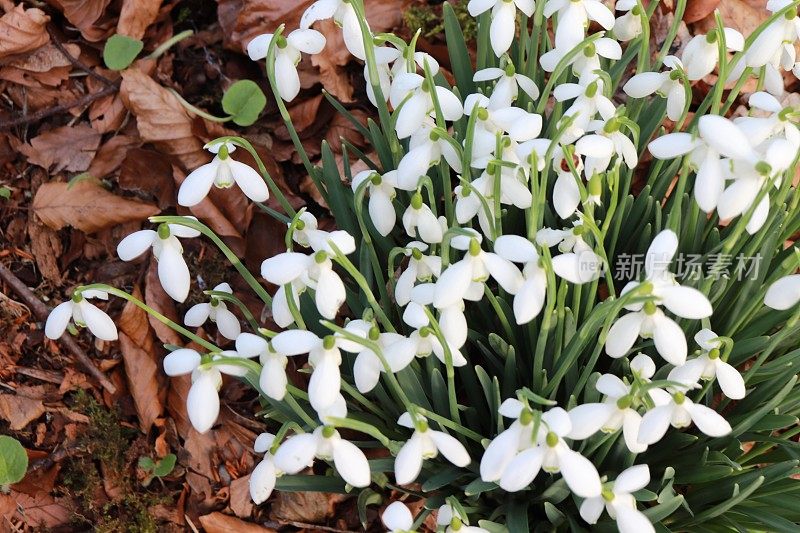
(222,172)
(586,63)
(217,312)
(411,93)
(299,451)
(530,297)
(173,273)
(505,446)
(776,42)
(397,517)
(449,518)
(345,16)
(425,443)
(709,365)
(504,15)
(628,26)
(701,54)
(617,498)
(508,85)
(381,193)
(419,221)
(759,129)
(83,314)
(673,407)
(784,293)
(202,402)
(421,268)
(265,474)
(287,55)
(647,319)
(668,84)
(579,263)
(426,147)
(273,379)
(549,452)
(574,17)
(589,100)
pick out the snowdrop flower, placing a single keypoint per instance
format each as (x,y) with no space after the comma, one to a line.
(265,474)
(784,293)
(574,17)
(552,454)
(476,199)
(776,40)
(425,443)
(566,193)
(172,270)
(381,193)
(452,521)
(505,446)
(299,451)
(420,267)
(588,101)
(202,402)
(520,125)
(273,378)
(628,26)
(289,269)
(324,357)
(529,299)
(413,92)
(396,349)
(452,322)
(83,314)
(329,291)
(718,137)
(676,409)
(508,85)
(648,320)
(287,55)
(344,15)
(600,147)
(709,365)
(504,15)
(578,263)
(397,518)
(425,148)
(217,312)
(588,61)
(222,172)
(701,54)
(617,498)
(617,411)
(777,122)
(475,267)
(418,218)
(307,234)
(668,84)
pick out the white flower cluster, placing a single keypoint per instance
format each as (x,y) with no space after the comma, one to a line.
(463,258)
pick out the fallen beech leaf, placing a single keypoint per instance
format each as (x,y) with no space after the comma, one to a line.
(150,172)
(22,30)
(69,148)
(46,58)
(699,9)
(742,15)
(20,410)
(308,507)
(221,523)
(139,353)
(161,119)
(111,155)
(40,511)
(86,206)
(83,14)
(240,502)
(136,16)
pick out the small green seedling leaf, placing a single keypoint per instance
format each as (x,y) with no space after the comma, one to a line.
(5,193)
(156,469)
(244,101)
(120,51)
(13,460)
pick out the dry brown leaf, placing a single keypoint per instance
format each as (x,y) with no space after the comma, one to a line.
(20,410)
(139,353)
(699,9)
(111,155)
(83,14)
(44,66)
(86,206)
(241,503)
(742,15)
(150,172)
(307,507)
(40,511)
(161,119)
(46,248)
(136,16)
(22,30)
(221,523)
(69,148)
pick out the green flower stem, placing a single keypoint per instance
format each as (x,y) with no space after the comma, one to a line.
(680,9)
(365,234)
(196,110)
(232,257)
(537,380)
(152,312)
(361,427)
(295,312)
(449,424)
(722,69)
(561,67)
(169,43)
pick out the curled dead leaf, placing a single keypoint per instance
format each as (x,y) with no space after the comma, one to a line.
(22,30)
(86,206)
(221,523)
(136,16)
(70,148)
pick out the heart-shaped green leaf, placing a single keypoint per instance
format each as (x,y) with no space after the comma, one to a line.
(13,460)
(120,51)
(244,101)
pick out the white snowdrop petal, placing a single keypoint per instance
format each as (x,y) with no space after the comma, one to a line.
(351,463)
(135,244)
(669,339)
(672,145)
(685,302)
(725,137)
(707,420)
(180,362)
(632,521)
(366,371)
(250,345)
(330,294)
(325,383)
(730,381)
(784,293)
(452,284)
(522,470)
(632,479)
(296,453)
(202,402)
(580,474)
(655,424)
(661,251)
(504,272)
(249,181)
(173,273)
(283,268)
(308,41)
(587,419)
(197,315)
(611,385)
(257,47)
(630,431)
(566,195)
(501,34)
(591,509)
(397,517)
(408,463)
(273,380)
(529,300)
(227,324)
(498,455)
(450,448)
(558,421)
(295,342)
(286,77)
(197,184)
(511,408)
(491,73)
(98,322)
(262,481)
(623,334)
(58,320)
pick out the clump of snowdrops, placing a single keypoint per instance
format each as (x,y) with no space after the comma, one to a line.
(469,336)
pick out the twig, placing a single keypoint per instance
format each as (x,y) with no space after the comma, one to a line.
(77,63)
(44,113)
(41,311)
